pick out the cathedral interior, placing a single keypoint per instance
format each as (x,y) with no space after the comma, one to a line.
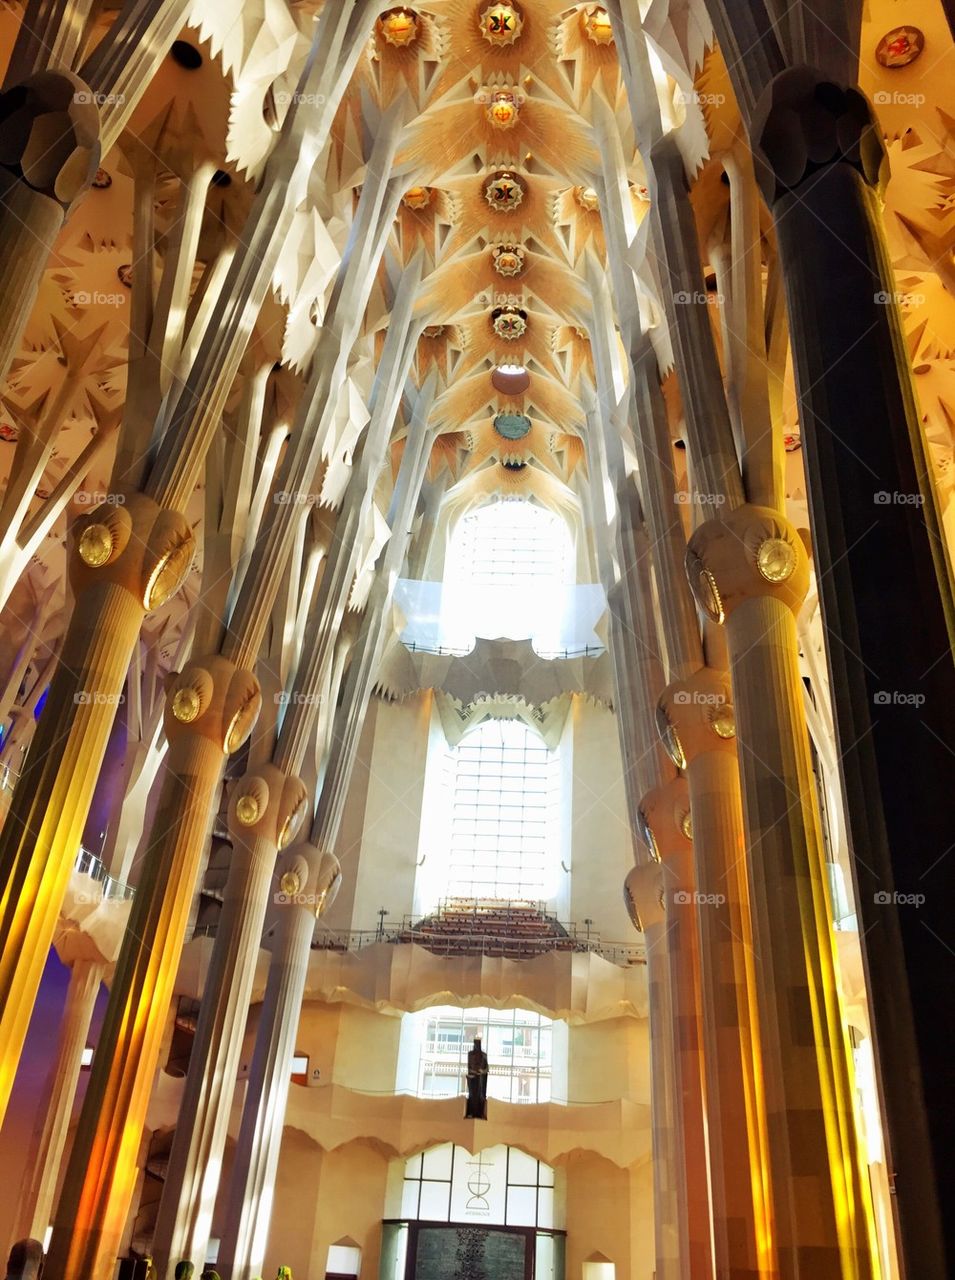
(477,516)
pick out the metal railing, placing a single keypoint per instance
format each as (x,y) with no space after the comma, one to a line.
(548,655)
(87,864)
(452,944)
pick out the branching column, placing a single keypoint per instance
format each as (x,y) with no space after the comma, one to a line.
(308,884)
(750,569)
(886,600)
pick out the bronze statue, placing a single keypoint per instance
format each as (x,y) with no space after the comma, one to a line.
(477,1083)
(25,1261)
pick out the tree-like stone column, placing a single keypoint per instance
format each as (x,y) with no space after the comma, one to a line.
(211,708)
(698,729)
(266,809)
(308,884)
(749,569)
(124,560)
(665,815)
(886,601)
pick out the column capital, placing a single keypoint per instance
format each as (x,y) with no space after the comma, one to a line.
(52,121)
(308,878)
(696,715)
(643,896)
(267,804)
(665,820)
(212,698)
(745,554)
(132,542)
(804,122)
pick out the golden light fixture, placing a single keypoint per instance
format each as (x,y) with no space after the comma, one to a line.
(595,21)
(247,810)
(399,27)
(670,739)
(776,559)
(704,588)
(186,704)
(503,192)
(501,24)
(292,823)
(166,579)
(509,323)
(417,198)
(686,825)
(649,839)
(290,884)
(95,545)
(508,259)
(503,110)
(723,721)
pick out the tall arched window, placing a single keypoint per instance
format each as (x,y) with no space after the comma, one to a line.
(509,567)
(505,791)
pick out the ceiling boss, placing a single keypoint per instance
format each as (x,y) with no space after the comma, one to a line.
(501,24)
(502,104)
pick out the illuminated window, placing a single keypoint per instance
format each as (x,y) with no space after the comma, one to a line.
(505,796)
(300,1068)
(519,1046)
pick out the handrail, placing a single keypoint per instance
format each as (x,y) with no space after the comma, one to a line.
(87,864)
(548,655)
(619,953)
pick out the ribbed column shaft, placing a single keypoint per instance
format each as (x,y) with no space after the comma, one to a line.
(249,1204)
(819,1193)
(37,1202)
(683,960)
(742,1244)
(42,830)
(666,1210)
(195,1161)
(101,1174)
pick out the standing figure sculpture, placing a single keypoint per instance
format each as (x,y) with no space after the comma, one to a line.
(477,1083)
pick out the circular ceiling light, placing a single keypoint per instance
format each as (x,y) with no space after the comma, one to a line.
(596,24)
(509,323)
(510,379)
(417,198)
(508,259)
(512,426)
(399,27)
(503,192)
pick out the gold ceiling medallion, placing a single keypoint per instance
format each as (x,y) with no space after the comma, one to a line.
(508,259)
(501,106)
(595,21)
(399,27)
(899,47)
(417,198)
(587,198)
(501,23)
(503,192)
(509,323)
